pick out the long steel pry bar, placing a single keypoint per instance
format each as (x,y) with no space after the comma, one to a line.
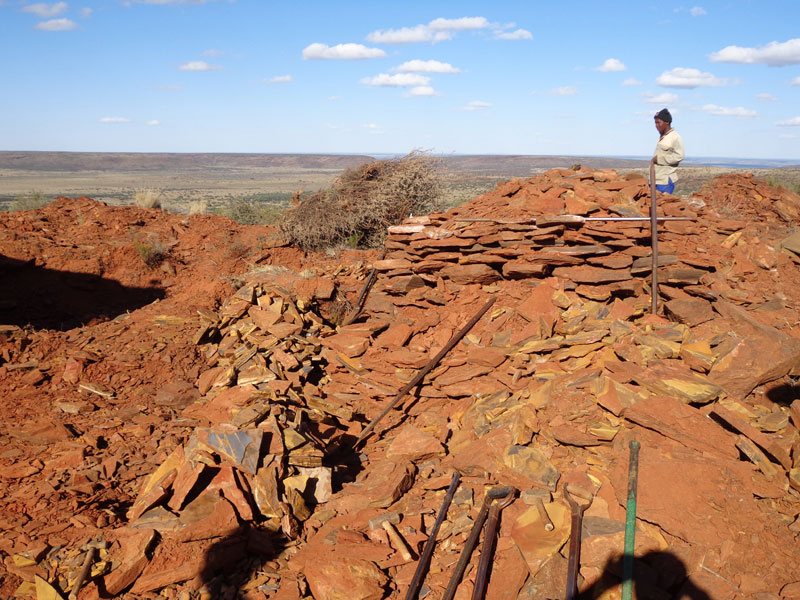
(427,552)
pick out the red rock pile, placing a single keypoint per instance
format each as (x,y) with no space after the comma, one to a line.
(742,195)
(520,231)
(549,387)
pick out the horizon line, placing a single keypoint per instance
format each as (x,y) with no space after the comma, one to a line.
(437,154)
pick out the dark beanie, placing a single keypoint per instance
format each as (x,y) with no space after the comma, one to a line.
(664,115)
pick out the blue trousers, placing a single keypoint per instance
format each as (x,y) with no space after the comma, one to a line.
(667,188)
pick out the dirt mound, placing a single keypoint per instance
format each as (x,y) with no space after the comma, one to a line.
(743,196)
(204,435)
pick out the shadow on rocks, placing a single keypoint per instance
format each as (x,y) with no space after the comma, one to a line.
(784,394)
(49,299)
(656,576)
(238,567)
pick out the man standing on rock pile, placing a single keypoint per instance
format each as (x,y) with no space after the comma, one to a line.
(669,153)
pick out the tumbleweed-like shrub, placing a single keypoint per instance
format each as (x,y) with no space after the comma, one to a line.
(363,202)
(147,198)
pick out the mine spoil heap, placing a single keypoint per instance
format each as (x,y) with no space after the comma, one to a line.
(241,475)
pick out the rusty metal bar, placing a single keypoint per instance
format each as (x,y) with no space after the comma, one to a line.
(574,562)
(653,241)
(427,552)
(638,219)
(466,552)
(424,371)
(489,543)
(362,298)
(569,219)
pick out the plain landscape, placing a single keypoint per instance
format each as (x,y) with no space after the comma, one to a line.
(200,408)
(28,179)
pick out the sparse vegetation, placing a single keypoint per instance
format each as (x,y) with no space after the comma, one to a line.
(461,187)
(147,198)
(363,201)
(237,249)
(789,180)
(152,253)
(30,201)
(248,212)
(198,207)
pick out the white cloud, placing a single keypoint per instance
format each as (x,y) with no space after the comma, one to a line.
(153,123)
(426,66)
(115,120)
(680,77)
(611,64)
(766,97)
(477,105)
(794,122)
(518,34)
(698,11)
(408,35)
(212,52)
(438,30)
(631,82)
(280,79)
(461,24)
(168,88)
(173,1)
(46,11)
(775,54)
(319,51)
(565,90)
(795,81)
(724,111)
(665,98)
(198,65)
(373,129)
(86,12)
(399,80)
(422,91)
(56,25)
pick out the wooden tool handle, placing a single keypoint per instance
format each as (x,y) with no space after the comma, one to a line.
(398,542)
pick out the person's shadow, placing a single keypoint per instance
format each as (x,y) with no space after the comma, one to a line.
(656,576)
(231,563)
(241,565)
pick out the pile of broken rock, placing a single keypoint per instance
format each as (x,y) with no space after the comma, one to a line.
(268,496)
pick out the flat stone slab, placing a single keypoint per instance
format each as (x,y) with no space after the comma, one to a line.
(690,311)
(759,353)
(589,274)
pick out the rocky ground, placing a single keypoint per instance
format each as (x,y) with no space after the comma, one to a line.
(182,398)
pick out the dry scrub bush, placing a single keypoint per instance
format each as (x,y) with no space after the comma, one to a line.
(363,202)
(152,253)
(147,198)
(198,207)
(252,213)
(30,201)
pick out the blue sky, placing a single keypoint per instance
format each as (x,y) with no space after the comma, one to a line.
(578,78)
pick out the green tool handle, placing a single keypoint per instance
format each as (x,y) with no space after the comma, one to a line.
(630,523)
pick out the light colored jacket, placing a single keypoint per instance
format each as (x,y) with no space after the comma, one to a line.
(669,154)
